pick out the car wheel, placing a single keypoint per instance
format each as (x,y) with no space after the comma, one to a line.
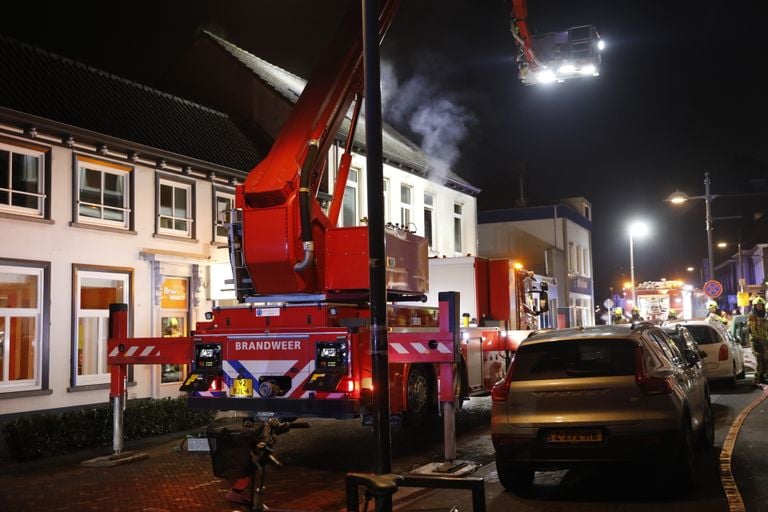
(733,380)
(706,438)
(685,461)
(515,480)
(420,394)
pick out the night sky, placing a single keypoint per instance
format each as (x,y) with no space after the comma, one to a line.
(680,93)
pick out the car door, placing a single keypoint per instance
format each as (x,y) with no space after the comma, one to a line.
(685,374)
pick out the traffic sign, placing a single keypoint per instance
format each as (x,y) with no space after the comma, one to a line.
(608,303)
(713,289)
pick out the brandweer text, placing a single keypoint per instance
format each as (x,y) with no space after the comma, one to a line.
(268,345)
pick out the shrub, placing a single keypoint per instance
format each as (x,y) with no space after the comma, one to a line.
(41,435)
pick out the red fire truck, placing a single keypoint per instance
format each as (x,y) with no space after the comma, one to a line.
(299,342)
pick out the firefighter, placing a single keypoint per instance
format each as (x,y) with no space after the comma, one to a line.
(618,316)
(671,314)
(636,315)
(757,326)
(714,315)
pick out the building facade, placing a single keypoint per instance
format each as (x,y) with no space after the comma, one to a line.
(554,241)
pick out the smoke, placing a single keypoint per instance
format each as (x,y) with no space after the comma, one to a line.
(435,116)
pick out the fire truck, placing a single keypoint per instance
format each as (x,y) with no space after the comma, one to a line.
(298,344)
(656,298)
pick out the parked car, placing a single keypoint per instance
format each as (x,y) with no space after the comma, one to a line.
(725,357)
(604,394)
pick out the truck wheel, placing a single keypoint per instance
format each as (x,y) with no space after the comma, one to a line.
(420,397)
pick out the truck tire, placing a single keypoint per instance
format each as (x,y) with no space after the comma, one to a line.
(420,397)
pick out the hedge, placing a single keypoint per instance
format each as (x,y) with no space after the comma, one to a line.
(41,435)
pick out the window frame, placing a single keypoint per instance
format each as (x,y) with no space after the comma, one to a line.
(458,228)
(127,206)
(164,179)
(226,193)
(80,271)
(351,190)
(429,223)
(406,208)
(39,384)
(43,192)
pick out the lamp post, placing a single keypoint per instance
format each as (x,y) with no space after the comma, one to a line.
(635,229)
(678,197)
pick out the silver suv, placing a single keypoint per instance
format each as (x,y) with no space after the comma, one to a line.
(604,394)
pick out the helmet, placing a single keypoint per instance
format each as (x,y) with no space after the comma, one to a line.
(711,304)
(758,300)
(635,309)
(618,311)
(173,322)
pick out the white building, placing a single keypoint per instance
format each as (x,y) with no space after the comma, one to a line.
(552,240)
(110,191)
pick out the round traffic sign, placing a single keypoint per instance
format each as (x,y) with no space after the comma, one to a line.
(713,289)
(608,303)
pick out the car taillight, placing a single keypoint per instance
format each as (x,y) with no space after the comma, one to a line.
(722,355)
(649,384)
(500,390)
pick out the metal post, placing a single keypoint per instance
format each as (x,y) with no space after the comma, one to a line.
(118,328)
(708,213)
(632,266)
(377,268)
(740,273)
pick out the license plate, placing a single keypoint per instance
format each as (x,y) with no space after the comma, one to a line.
(242,388)
(574,436)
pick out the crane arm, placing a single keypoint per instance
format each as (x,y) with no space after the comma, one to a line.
(283,226)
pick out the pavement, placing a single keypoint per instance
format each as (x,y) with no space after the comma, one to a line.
(172,478)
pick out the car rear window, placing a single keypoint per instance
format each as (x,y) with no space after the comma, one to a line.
(580,358)
(703,334)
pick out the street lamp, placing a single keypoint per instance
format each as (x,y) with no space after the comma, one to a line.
(640,229)
(678,197)
(740,269)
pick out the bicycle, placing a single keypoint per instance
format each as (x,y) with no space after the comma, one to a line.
(237,454)
(231,460)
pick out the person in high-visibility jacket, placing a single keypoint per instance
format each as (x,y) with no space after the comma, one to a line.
(618,316)
(715,315)
(757,326)
(636,315)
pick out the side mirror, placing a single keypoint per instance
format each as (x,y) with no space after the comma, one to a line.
(692,357)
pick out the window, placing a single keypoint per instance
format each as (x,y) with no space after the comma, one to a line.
(571,257)
(458,243)
(429,205)
(175,207)
(587,212)
(350,209)
(95,290)
(224,202)
(103,193)
(22,179)
(385,187)
(21,327)
(174,304)
(406,202)
(585,258)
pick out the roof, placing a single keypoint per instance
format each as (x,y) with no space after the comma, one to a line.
(397,149)
(533,213)
(71,93)
(590,332)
